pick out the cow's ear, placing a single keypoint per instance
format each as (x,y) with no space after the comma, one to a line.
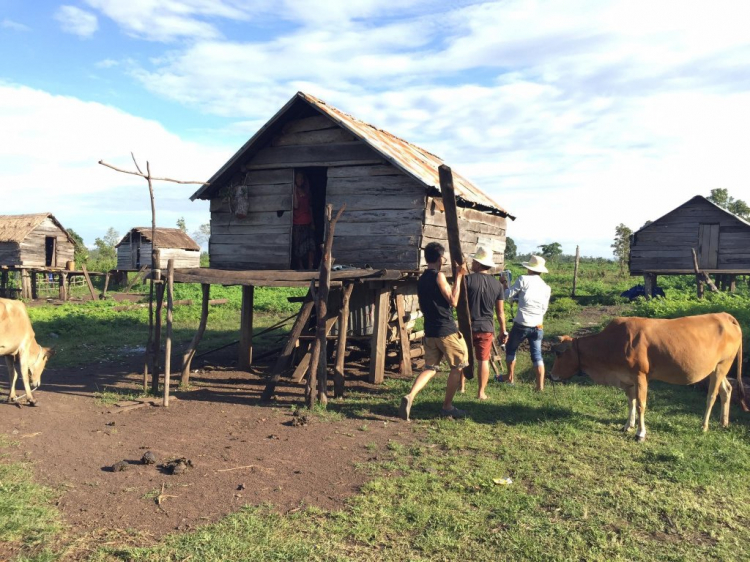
(49,352)
(562,347)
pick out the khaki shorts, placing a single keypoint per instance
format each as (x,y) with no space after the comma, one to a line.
(451,348)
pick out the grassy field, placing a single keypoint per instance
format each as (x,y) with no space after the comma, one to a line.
(581,490)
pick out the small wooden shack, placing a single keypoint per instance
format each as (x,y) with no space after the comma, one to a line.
(390,187)
(664,247)
(37,240)
(134,250)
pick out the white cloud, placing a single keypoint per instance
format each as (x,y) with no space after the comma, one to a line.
(107,63)
(76,21)
(14,25)
(49,152)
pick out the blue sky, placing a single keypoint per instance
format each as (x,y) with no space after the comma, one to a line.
(575,115)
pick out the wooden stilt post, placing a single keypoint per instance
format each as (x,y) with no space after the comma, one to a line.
(318,362)
(339,379)
(732,283)
(245,351)
(285,359)
(106,284)
(62,294)
(156,345)
(403,336)
(168,343)
(701,277)
(4,283)
(454,244)
(34,288)
(648,284)
(25,284)
(379,334)
(575,271)
(190,353)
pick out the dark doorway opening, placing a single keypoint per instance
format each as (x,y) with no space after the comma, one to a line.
(50,251)
(317,180)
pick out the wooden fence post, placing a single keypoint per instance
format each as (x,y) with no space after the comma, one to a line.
(339,380)
(575,271)
(168,343)
(245,358)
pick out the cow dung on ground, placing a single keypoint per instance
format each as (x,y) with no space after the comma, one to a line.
(120,466)
(177,466)
(148,458)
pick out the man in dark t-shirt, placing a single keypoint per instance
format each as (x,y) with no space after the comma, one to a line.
(441,336)
(485,300)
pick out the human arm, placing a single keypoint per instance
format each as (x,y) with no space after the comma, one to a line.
(451,294)
(500,311)
(512,291)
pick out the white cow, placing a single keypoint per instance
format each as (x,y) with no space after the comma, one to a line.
(19,346)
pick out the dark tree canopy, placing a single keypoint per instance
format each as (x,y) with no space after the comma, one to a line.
(621,245)
(551,251)
(511,251)
(721,197)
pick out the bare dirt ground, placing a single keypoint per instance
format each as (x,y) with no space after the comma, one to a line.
(243,451)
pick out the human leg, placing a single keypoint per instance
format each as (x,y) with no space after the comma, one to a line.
(457,353)
(535,347)
(511,347)
(433,355)
(482,342)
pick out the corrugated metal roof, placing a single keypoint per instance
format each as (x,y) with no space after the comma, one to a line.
(165,238)
(15,228)
(411,159)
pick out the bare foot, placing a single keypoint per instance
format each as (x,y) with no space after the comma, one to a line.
(483,397)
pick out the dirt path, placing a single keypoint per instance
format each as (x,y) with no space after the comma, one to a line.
(243,452)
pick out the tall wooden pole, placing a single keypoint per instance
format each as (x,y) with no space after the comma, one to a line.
(575,270)
(457,259)
(339,380)
(190,353)
(168,343)
(245,348)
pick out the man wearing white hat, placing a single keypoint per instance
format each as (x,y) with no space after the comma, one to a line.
(485,300)
(533,299)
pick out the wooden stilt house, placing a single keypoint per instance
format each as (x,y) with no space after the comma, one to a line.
(720,239)
(390,187)
(134,250)
(37,240)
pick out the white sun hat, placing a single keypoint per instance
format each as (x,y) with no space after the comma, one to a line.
(483,256)
(536,263)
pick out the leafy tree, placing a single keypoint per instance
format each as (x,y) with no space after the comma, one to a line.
(551,251)
(202,234)
(645,224)
(182,225)
(721,197)
(105,253)
(81,253)
(621,245)
(510,249)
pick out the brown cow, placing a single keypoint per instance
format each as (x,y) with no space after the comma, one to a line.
(631,351)
(19,346)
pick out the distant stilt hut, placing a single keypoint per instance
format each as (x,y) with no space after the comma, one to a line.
(134,250)
(720,239)
(37,240)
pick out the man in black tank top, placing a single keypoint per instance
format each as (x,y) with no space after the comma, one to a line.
(441,335)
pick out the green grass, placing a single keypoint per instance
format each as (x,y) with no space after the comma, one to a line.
(582,490)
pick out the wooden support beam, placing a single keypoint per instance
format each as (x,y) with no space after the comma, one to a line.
(649,284)
(62,291)
(245,357)
(156,345)
(140,275)
(339,378)
(25,284)
(34,287)
(190,353)
(379,335)
(168,343)
(301,370)
(106,284)
(403,338)
(285,359)
(457,259)
(94,296)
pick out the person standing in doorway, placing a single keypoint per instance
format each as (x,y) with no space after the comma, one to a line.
(533,296)
(303,226)
(485,295)
(442,338)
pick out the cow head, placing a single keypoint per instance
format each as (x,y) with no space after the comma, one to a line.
(38,364)
(567,362)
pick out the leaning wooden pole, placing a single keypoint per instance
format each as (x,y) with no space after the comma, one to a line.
(168,343)
(156,344)
(190,353)
(317,381)
(285,359)
(457,259)
(575,271)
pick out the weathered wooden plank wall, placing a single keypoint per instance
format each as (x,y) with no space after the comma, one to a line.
(474,226)
(182,258)
(33,248)
(667,243)
(10,253)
